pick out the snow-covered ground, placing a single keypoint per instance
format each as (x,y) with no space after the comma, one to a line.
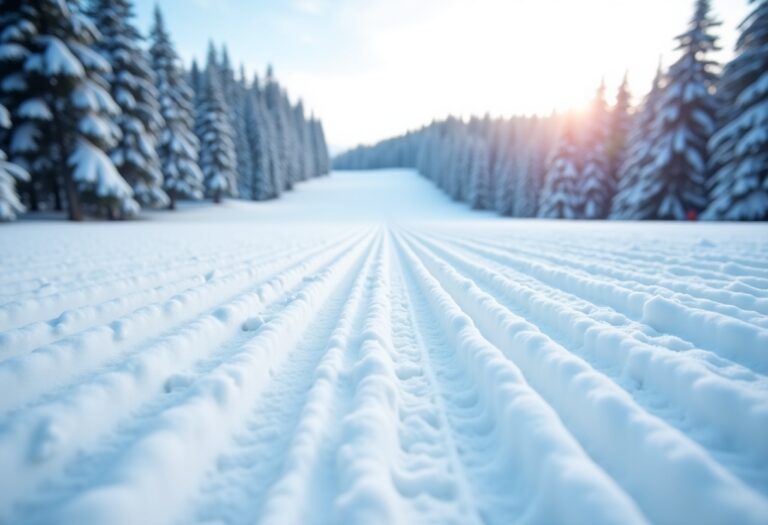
(365,351)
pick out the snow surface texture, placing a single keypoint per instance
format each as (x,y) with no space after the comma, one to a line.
(366,351)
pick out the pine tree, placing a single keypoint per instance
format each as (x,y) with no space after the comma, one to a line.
(320,148)
(639,155)
(10,205)
(63,112)
(16,31)
(178,146)
(525,192)
(227,78)
(478,195)
(504,151)
(596,185)
(217,148)
(529,175)
(273,101)
(262,146)
(304,158)
(674,185)
(293,150)
(504,175)
(739,149)
(559,198)
(196,81)
(619,125)
(238,103)
(462,165)
(133,88)
(234,99)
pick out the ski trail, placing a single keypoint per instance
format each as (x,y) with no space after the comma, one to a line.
(517,424)
(308,362)
(723,335)
(581,391)
(263,457)
(99,404)
(188,436)
(60,363)
(610,351)
(30,336)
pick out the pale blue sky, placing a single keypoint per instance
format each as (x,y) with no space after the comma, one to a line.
(374,68)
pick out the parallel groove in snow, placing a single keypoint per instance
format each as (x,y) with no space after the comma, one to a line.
(586,399)
(467,373)
(650,367)
(187,436)
(32,335)
(642,369)
(728,337)
(93,406)
(92,348)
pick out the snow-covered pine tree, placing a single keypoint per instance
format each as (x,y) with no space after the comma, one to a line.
(238,103)
(273,100)
(559,198)
(596,185)
(196,81)
(464,165)
(528,175)
(234,90)
(479,175)
(294,152)
(16,30)
(510,147)
(262,145)
(525,189)
(638,155)
(504,175)
(674,185)
(133,88)
(10,205)
(423,157)
(320,148)
(619,125)
(63,112)
(739,149)
(450,153)
(227,78)
(178,146)
(276,160)
(310,166)
(304,161)
(444,161)
(217,148)
(442,157)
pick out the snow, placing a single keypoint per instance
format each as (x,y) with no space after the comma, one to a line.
(92,97)
(364,350)
(96,174)
(57,59)
(35,108)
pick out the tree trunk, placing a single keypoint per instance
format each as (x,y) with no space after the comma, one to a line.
(34,202)
(217,197)
(74,207)
(172,200)
(73,199)
(58,203)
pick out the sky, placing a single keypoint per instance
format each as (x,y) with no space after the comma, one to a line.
(371,69)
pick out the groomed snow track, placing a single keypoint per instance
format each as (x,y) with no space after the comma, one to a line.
(491,372)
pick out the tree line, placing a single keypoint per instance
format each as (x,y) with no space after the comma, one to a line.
(94,122)
(697,145)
